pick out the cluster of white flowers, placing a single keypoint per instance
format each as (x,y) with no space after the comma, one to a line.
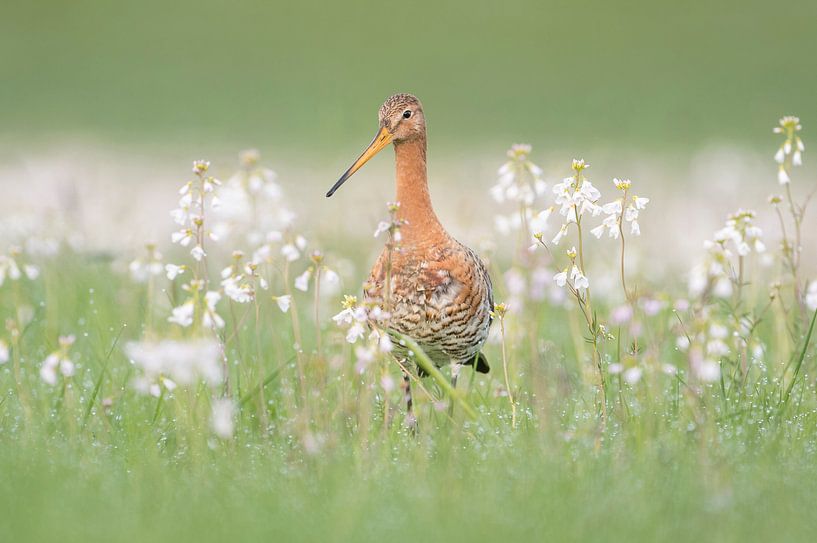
(185,315)
(142,269)
(738,236)
(59,362)
(792,147)
(37,235)
(622,209)
(520,180)
(168,363)
(356,319)
(239,279)
(704,351)
(743,234)
(329,277)
(575,196)
(12,268)
(293,250)
(251,203)
(709,340)
(196,196)
(631,373)
(572,276)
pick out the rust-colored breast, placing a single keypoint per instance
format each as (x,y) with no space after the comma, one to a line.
(440,297)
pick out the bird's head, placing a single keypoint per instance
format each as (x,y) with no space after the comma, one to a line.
(401,120)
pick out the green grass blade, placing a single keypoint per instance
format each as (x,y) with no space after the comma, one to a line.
(98,384)
(800,360)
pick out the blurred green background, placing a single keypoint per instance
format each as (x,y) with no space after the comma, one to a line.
(302,75)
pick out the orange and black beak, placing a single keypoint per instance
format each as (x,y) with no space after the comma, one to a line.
(382,139)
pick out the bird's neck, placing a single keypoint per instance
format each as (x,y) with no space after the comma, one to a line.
(412,193)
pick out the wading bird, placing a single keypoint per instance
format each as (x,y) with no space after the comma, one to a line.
(440,293)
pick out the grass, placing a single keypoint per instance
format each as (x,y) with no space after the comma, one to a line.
(319,450)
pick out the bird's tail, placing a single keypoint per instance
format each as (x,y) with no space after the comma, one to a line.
(480,363)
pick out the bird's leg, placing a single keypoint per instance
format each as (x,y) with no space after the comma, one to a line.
(411,420)
(455,373)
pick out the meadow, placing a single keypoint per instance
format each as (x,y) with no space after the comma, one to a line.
(230,382)
(185,351)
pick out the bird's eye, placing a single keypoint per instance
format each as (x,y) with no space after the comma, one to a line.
(407,114)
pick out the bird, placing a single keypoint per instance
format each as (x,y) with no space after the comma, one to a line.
(440,292)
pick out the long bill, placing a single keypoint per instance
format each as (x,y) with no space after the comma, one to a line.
(382,139)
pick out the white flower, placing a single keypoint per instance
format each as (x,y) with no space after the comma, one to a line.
(211,319)
(330,277)
(344,317)
(141,270)
(538,224)
(387,383)
(718,331)
(183,314)
(669,369)
(385,344)
(355,332)
(782,175)
(283,302)
(168,362)
(579,280)
(632,375)
(173,271)
(560,234)
(198,252)
(67,367)
(610,224)
(181,215)
(382,227)
(708,371)
(622,184)
(57,362)
(222,418)
(241,293)
(169,384)
(48,370)
(811,296)
(4,352)
(520,180)
(302,281)
(290,252)
(717,348)
(561,278)
(32,272)
(183,237)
